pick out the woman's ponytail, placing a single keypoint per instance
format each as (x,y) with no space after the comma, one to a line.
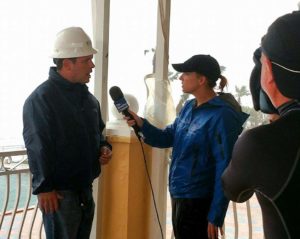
(223,83)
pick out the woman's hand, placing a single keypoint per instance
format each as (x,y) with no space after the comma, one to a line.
(135,121)
(212,231)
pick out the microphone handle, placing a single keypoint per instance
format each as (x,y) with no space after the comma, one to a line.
(135,127)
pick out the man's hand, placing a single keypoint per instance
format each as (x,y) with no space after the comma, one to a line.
(105,155)
(48,202)
(212,231)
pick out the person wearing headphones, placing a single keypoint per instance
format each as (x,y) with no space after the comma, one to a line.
(265,159)
(63,137)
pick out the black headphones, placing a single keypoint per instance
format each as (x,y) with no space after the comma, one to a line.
(260,99)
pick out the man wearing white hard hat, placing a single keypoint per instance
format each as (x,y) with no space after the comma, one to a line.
(63,137)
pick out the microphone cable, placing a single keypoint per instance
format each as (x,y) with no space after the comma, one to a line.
(122,106)
(151,187)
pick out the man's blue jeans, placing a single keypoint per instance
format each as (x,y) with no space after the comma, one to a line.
(74,218)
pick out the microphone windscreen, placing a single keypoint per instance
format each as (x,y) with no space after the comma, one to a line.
(122,106)
(116,93)
(118,98)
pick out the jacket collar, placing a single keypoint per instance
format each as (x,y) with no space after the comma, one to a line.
(55,76)
(288,106)
(215,101)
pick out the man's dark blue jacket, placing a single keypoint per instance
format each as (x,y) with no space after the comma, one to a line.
(63,135)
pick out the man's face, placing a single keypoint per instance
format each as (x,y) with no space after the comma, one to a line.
(81,69)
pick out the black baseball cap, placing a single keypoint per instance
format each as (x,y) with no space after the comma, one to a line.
(281,45)
(202,64)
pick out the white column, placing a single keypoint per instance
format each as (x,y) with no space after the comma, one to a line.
(100,17)
(160,157)
(100,14)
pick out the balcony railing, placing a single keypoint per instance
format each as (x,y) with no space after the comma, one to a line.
(20,217)
(19,214)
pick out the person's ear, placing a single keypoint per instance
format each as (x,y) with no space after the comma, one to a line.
(67,64)
(267,68)
(201,79)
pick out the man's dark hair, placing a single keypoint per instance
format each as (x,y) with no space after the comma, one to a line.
(59,61)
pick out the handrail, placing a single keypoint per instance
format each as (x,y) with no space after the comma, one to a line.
(16,152)
(8,154)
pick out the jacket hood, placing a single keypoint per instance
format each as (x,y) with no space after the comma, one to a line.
(229,100)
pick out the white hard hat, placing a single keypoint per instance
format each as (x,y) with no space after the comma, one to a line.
(72,42)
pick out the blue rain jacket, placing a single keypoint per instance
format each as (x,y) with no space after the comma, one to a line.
(63,135)
(202,139)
